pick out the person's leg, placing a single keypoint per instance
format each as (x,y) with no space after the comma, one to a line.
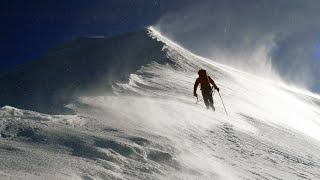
(205,98)
(210,99)
(211,102)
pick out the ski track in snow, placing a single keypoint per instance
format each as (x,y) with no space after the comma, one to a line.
(150,128)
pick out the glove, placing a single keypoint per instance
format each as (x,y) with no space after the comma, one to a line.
(195,94)
(217,89)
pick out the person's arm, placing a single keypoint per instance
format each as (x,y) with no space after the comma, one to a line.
(214,84)
(196,84)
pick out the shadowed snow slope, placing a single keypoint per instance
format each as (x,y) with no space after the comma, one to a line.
(149,126)
(86,65)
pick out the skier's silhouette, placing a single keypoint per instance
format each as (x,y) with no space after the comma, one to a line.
(204,80)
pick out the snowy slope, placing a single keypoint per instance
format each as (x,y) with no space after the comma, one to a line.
(150,127)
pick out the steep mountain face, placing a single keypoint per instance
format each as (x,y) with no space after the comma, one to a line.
(149,126)
(86,64)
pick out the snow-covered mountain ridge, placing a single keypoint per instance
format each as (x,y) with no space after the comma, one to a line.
(148,126)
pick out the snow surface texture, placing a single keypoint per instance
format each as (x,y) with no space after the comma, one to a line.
(151,128)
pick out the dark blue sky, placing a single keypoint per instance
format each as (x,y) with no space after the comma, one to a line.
(30,28)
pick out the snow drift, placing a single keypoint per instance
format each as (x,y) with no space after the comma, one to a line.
(134,117)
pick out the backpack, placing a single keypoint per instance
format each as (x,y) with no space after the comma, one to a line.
(204,80)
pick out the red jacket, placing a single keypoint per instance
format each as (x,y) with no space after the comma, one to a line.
(205,83)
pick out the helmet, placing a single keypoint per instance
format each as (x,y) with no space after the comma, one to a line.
(202,72)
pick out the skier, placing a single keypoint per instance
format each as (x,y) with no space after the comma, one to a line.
(206,88)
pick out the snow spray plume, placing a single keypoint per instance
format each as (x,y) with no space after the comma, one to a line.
(261,37)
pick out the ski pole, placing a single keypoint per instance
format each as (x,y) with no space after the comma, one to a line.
(222,103)
(199,100)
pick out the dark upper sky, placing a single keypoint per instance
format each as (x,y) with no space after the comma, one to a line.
(30,28)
